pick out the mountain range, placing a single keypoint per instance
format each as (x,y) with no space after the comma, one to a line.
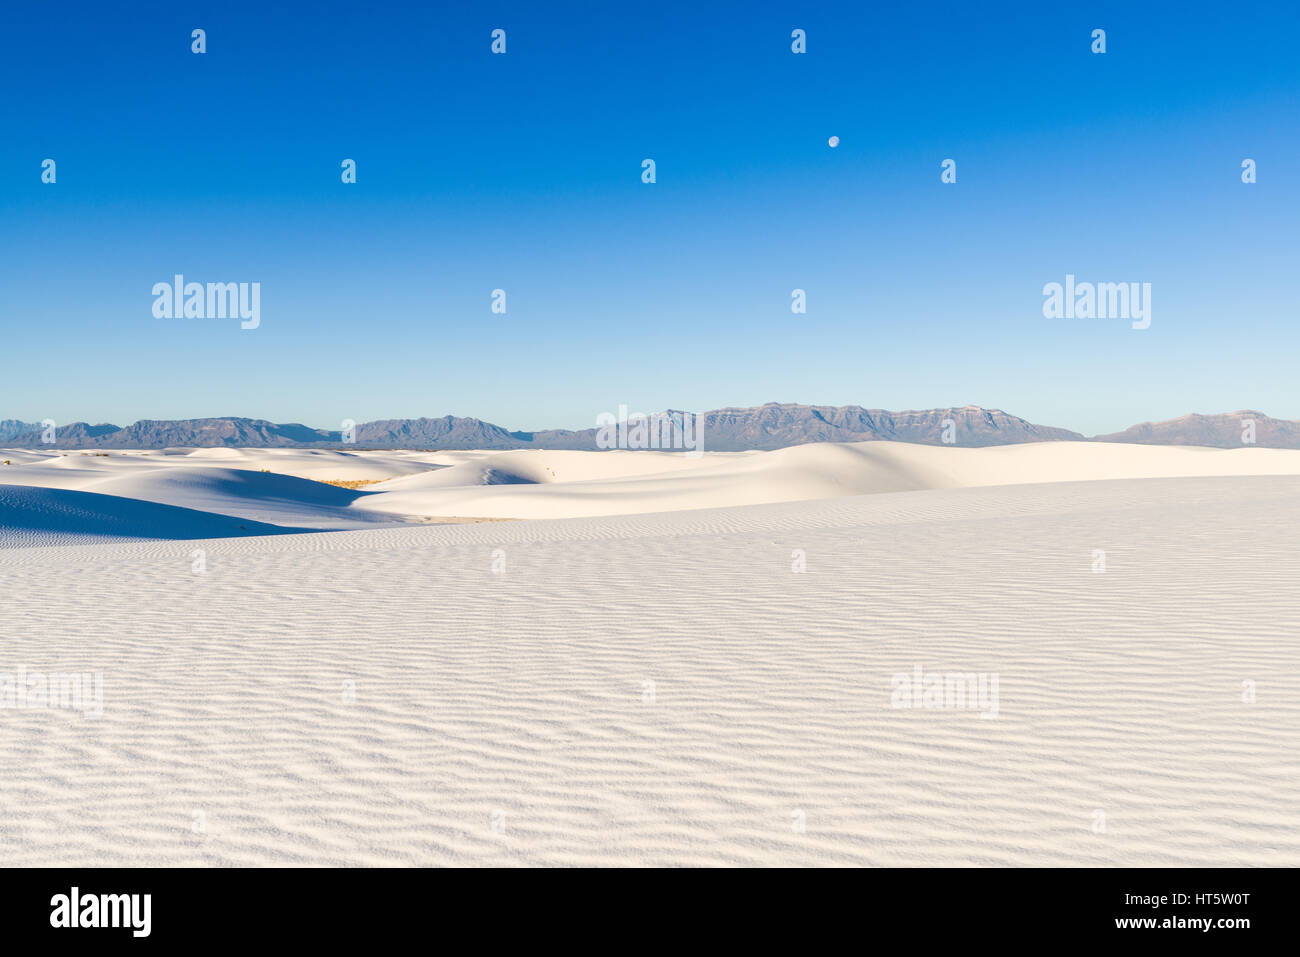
(770,426)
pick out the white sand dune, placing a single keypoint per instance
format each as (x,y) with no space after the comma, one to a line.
(33,516)
(285,487)
(533,484)
(316,464)
(323,464)
(664,689)
(260,496)
(278,487)
(535,466)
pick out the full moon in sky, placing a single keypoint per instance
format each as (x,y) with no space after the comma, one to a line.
(834,141)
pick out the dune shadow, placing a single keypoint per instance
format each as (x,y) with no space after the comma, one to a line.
(32,515)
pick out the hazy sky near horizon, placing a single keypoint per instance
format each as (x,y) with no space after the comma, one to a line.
(523,172)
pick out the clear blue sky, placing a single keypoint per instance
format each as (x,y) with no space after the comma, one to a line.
(522,172)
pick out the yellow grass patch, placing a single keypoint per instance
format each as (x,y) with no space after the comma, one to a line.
(350,483)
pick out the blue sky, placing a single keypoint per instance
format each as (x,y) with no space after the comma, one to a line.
(523,172)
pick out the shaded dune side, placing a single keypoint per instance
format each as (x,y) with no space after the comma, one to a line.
(32,516)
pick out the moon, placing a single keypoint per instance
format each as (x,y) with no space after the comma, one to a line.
(834,141)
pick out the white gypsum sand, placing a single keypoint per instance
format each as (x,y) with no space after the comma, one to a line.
(284,487)
(661,687)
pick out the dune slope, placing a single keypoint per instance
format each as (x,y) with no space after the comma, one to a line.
(31,516)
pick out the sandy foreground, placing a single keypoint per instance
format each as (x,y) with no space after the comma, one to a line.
(674,661)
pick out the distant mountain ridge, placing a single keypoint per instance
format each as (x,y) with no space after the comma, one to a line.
(1223,431)
(771,426)
(447,432)
(776,425)
(12,428)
